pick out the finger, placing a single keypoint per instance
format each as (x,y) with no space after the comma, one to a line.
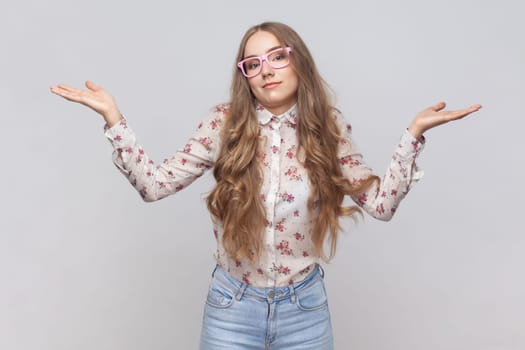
(70,96)
(92,86)
(471,109)
(58,90)
(65,87)
(68,92)
(475,107)
(466,111)
(439,106)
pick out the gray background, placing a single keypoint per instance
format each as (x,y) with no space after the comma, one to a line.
(85,264)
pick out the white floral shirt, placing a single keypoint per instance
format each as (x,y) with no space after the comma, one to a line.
(288,254)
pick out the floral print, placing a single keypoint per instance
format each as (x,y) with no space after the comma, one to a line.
(284,248)
(293,173)
(288,253)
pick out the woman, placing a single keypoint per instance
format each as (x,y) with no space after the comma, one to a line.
(284,160)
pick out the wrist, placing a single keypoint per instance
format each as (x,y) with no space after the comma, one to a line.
(415,131)
(112,118)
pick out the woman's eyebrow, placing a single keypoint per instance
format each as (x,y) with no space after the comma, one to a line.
(271,49)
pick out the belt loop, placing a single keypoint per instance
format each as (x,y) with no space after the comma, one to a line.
(240,292)
(321,271)
(293,297)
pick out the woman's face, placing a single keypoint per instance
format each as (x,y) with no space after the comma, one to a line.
(274,89)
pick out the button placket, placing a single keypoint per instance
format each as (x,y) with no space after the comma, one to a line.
(274,127)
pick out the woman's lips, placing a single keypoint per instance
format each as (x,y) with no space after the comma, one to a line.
(271,85)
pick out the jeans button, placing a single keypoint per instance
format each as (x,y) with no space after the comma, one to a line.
(271,294)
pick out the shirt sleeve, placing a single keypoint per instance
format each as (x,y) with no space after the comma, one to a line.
(156,181)
(382,199)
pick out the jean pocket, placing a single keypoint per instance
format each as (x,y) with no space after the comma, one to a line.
(313,297)
(219,296)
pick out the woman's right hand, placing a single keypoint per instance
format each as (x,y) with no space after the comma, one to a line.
(95,97)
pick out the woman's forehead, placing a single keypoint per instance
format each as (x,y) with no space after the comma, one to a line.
(260,43)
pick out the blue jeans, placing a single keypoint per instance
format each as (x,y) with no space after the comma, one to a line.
(238,316)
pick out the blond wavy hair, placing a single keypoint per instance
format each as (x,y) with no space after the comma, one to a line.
(235,201)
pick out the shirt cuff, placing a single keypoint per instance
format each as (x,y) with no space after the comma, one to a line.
(409,146)
(120,134)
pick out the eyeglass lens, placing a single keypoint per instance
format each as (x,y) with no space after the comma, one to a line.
(279,58)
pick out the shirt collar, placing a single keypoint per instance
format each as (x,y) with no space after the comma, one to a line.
(265,116)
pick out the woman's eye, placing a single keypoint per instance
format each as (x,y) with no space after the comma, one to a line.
(279,56)
(252,65)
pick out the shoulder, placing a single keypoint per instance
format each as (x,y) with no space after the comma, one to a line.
(342,124)
(215,118)
(222,108)
(220,111)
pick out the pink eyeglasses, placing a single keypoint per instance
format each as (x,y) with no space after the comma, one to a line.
(277,59)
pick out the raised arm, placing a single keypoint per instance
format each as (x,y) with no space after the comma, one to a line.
(382,199)
(152,181)
(156,181)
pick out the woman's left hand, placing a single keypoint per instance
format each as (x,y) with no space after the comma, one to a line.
(434,116)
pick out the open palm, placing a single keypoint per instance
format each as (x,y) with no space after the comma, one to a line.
(95,97)
(435,115)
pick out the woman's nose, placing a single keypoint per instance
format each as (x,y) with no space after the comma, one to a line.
(266,69)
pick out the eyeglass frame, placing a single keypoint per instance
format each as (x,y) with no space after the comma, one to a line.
(261,59)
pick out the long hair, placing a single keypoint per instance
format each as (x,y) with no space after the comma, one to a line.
(235,201)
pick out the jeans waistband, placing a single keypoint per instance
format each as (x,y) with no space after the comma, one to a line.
(241,289)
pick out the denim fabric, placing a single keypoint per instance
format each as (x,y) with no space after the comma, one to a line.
(238,316)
